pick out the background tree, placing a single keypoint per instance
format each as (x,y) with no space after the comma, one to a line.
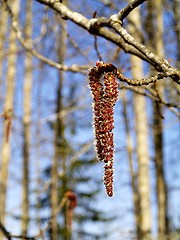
(27,122)
(155,36)
(8,113)
(141,124)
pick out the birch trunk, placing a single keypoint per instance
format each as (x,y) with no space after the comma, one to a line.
(158,131)
(59,137)
(176,7)
(155,32)
(8,112)
(143,158)
(132,173)
(141,124)
(3,24)
(27,121)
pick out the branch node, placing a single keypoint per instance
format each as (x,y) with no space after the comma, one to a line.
(95,23)
(114,19)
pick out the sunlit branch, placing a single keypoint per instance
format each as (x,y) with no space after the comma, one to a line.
(93,26)
(140,82)
(122,39)
(29,47)
(162,64)
(132,5)
(171,106)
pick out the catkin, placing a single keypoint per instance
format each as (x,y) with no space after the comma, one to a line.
(104,89)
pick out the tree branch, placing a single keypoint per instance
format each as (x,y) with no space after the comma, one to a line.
(140,82)
(41,233)
(122,39)
(162,64)
(29,47)
(10,236)
(5,232)
(93,26)
(61,205)
(150,95)
(131,6)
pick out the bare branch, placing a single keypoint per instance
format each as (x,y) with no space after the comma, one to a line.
(140,82)
(93,26)
(29,47)
(125,40)
(23,237)
(96,48)
(149,95)
(5,232)
(132,5)
(161,64)
(11,236)
(42,232)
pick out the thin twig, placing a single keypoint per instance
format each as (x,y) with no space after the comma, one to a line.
(89,24)
(151,96)
(5,232)
(96,48)
(42,232)
(10,236)
(161,64)
(131,6)
(123,39)
(23,237)
(29,47)
(140,82)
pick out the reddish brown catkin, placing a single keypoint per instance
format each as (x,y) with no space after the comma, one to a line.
(105,94)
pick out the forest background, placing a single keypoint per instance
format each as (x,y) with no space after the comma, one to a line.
(51,183)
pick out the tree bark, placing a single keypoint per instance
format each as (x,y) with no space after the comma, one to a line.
(3,24)
(176,7)
(141,124)
(27,122)
(59,138)
(8,112)
(132,173)
(155,33)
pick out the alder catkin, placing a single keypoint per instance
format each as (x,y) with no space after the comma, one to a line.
(104,89)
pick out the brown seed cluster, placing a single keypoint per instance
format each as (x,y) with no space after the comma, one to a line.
(104,89)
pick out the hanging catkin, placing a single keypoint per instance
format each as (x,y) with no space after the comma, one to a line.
(104,89)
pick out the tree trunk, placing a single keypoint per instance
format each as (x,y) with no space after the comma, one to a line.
(143,158)
(27,121)
(8,112)
(141,124)
(176,7)
(3,24)
(59,138)
(132,173)
(156,42)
